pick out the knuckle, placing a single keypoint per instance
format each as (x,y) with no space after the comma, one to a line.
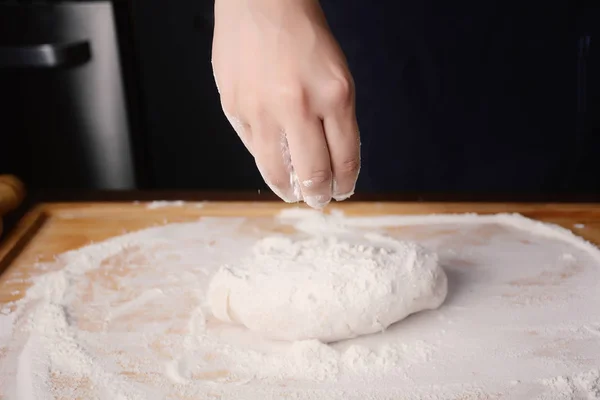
(350,166)
(318,178)
(293,96)
(339,92)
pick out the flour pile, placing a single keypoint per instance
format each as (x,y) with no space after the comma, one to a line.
(128,318)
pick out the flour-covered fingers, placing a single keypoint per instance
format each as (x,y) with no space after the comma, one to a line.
(310,158)
(343,140)
(273,160)
(279,60)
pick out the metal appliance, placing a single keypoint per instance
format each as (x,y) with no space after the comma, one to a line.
(65,116)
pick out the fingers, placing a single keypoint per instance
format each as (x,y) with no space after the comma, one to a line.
(317,157)
(310,157)
(342,135)
(242,129)
(269,150)
(314,161)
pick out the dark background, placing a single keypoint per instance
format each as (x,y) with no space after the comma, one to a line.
(452,97)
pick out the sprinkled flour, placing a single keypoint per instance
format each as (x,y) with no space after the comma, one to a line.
(128,319)
(585,385)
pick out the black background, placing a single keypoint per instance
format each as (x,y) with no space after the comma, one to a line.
(452,96)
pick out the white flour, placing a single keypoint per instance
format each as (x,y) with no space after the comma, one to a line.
(580,386)
(164,203)
(127,319)
(287,161)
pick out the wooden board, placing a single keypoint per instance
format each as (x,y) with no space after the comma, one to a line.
(51,229)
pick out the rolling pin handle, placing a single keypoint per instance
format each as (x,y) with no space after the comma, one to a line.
(12,193)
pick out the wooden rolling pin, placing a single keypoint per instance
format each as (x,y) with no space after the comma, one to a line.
(12,193)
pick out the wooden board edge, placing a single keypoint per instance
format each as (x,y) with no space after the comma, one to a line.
(253,208)
(20,236)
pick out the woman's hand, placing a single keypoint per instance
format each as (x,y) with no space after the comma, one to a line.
(286,89)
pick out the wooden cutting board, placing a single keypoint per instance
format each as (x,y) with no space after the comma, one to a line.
(51,229)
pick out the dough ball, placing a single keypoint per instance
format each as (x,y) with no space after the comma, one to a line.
(327,288)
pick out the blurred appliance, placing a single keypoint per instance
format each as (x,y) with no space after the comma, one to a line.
(71,97)
(65,118)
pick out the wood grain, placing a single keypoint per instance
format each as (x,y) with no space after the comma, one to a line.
(51,229)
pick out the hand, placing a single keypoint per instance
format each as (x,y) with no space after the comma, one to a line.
(286,89)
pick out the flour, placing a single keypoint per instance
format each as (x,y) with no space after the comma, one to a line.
(327,288)
(287,161)
(163,203)
(579,386)
(128,319)
(178,203)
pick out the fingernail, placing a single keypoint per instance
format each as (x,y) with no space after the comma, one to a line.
(318,202)
(341,196)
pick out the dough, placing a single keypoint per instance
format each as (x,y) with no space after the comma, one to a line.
(327,288)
